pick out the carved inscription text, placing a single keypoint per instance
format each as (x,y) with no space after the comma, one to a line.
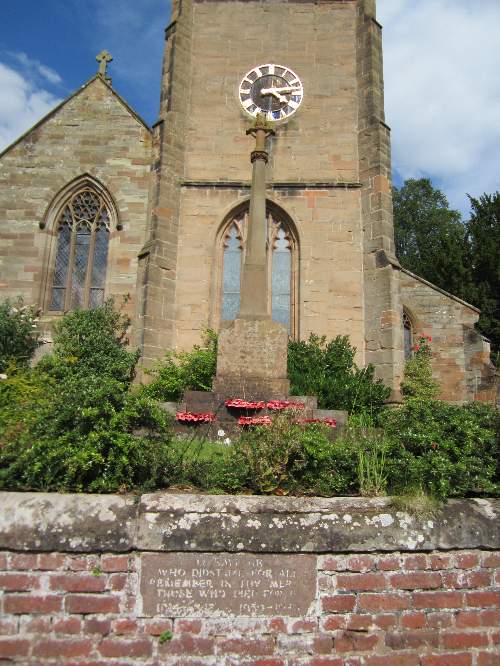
(207,584)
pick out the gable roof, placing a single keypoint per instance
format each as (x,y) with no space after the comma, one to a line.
(57,108)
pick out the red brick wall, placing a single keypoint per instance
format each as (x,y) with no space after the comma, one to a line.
(398,609)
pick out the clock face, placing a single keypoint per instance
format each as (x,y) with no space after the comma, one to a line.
(273,90)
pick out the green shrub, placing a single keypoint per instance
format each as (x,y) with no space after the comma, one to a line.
(185,371)
(448,450)
(281,459)
(286,458)
(327,370)
(418,382)
(331,465)
(18,335)
(80,427)
(274,454)
(22,394)
(92,342)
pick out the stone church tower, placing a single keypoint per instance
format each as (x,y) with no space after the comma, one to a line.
(94,203)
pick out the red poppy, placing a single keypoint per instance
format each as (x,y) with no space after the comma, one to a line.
(276,405)
(240,403)
(189,417)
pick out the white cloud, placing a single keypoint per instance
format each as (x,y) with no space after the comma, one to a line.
(35,69)
(441,61)
(22,104)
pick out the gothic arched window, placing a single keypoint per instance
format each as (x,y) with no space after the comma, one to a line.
(407,335)
(82,252)
(282,266)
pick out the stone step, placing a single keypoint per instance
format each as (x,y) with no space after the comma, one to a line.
(200,402)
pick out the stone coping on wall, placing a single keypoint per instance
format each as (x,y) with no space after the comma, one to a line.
(168,522)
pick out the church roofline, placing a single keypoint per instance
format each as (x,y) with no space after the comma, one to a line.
(442,291)
(69,98)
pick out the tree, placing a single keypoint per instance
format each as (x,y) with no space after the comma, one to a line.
(431,239)
(484,241)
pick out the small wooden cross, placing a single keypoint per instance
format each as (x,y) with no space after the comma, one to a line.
(103,58)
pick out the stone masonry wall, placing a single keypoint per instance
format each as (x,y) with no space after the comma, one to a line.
(340,582)
(461,361)
(330,260)
(312,174)
(93,133)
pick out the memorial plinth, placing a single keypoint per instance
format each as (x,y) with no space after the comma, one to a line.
(252,359)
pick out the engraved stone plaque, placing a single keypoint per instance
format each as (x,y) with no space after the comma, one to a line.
(221,585)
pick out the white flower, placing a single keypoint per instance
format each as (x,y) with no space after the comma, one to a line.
(221,433)
(2,376)
(227,441)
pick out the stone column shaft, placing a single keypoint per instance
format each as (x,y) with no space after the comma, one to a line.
(254,301)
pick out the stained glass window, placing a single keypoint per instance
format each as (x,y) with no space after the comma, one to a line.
(408,335)
(82,252)
(281,267)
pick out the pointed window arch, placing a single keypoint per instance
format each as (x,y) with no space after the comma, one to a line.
(407,335)
(82,229)
(282,265)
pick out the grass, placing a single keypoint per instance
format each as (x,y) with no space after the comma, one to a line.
(417,503)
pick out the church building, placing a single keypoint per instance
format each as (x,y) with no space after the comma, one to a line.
(95,203)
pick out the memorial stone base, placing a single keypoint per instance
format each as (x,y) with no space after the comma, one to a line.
(227,418)
(197,580)
(251,365)
(252,359)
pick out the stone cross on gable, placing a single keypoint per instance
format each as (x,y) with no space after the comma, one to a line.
(103,58)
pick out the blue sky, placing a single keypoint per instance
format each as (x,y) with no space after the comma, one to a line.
(66,35)
(441,62)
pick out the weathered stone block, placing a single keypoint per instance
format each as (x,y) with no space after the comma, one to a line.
(252,356)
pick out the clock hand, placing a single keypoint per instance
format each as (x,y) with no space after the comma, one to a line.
(271,91)
(274,91)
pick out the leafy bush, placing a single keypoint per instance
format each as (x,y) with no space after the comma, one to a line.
(18,336)
(185,371)
(274,455)
(92,342)
(281,459)
(21,395)
(447,450)
(418,382)
(327,370)
(80,427)
(74,422)
(286,458)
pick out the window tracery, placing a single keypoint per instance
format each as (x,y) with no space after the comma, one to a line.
(80,265)
(282,266)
